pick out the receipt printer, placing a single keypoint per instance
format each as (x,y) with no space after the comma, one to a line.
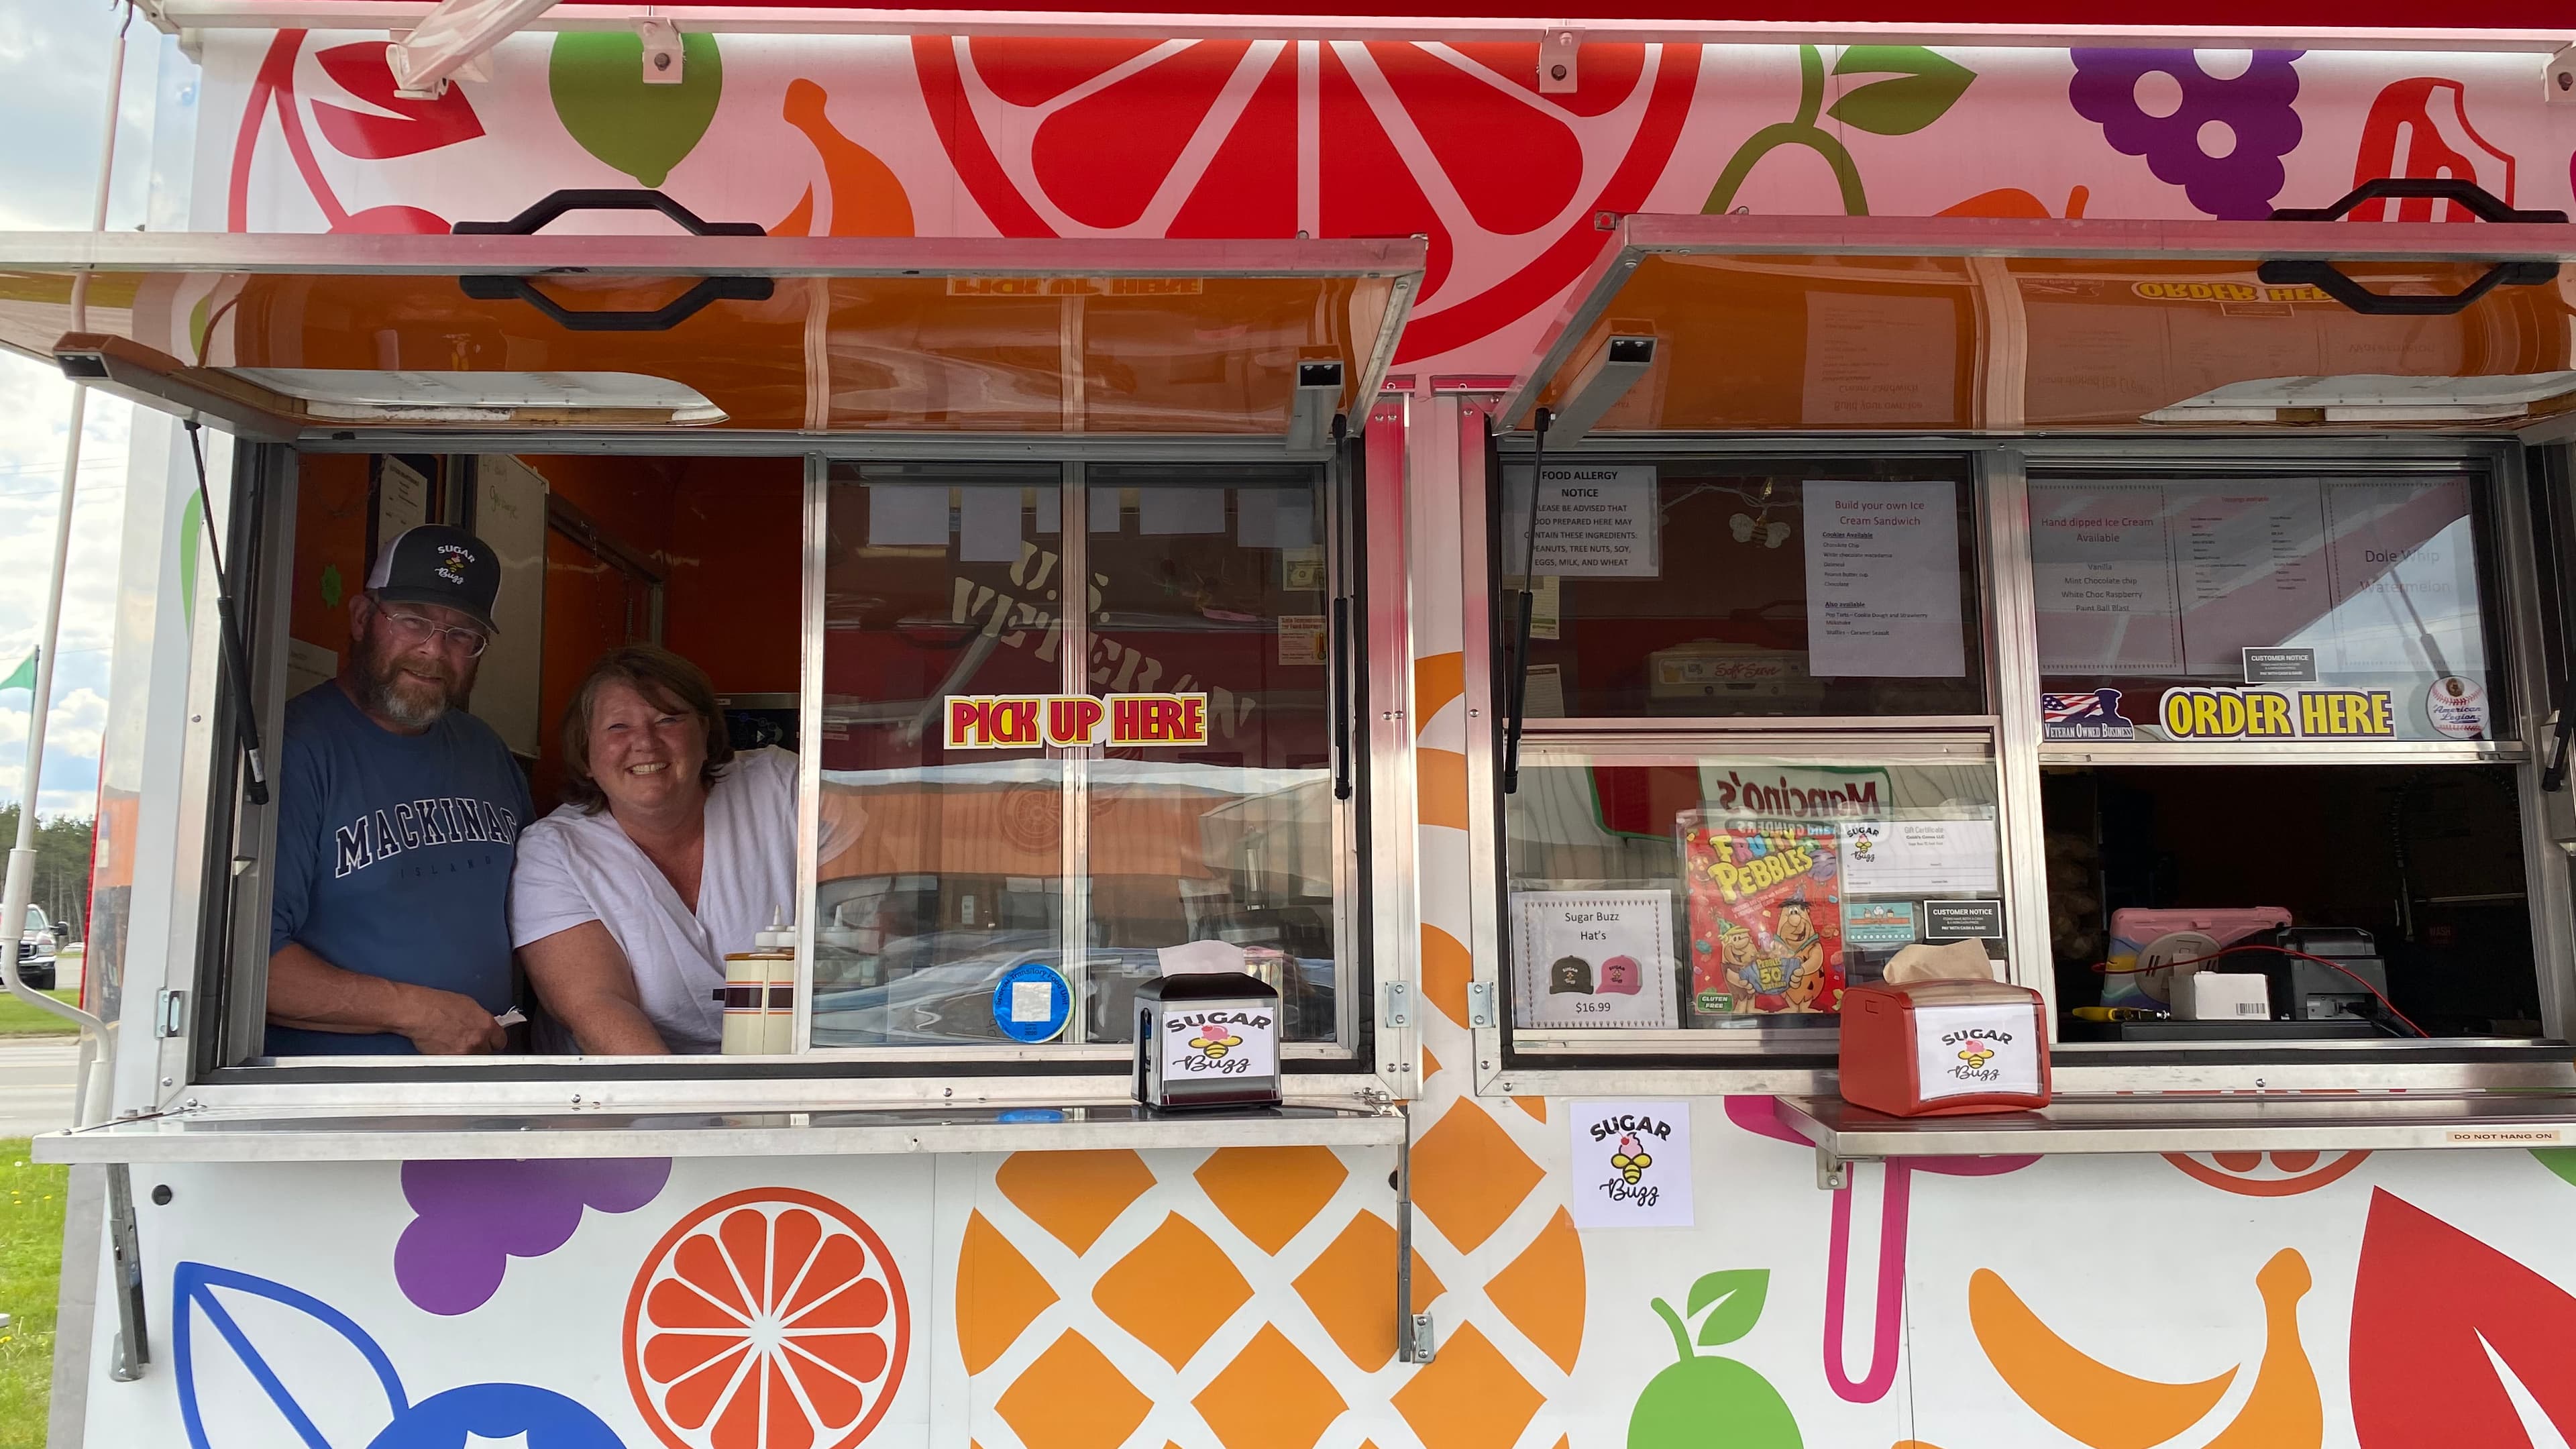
(1934,1048)
(2304,987)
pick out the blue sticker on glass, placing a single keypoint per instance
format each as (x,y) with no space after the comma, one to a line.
(1031,1002)
(1029,1114)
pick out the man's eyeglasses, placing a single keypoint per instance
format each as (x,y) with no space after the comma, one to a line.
(414,630)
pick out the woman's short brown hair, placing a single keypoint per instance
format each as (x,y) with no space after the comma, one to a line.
(663,678)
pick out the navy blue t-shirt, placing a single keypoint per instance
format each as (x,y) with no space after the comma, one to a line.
(394,855)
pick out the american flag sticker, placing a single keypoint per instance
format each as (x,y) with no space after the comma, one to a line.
(2092,714)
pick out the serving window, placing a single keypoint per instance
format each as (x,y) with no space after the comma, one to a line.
(1196,822)
(1756,757)
(1054,729)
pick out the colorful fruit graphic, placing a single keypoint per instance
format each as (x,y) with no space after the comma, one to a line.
(1234,138)
(2267,1174)
(597,80)
(258,1362)
(2435,1314)
(423,126)
(2103,1408)
(1921,88)
(1705,1399)
(767,1319)
(2222,141)
(2427,113)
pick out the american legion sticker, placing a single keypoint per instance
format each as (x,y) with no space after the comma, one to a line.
(1632,1165)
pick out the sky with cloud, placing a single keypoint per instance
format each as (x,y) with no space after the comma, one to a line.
(53,98)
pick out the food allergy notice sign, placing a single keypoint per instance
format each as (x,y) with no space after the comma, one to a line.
(1593,522)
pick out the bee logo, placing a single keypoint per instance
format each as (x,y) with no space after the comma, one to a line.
(1631,1160)
(452,562)
(1215,1041)
(1976,1053)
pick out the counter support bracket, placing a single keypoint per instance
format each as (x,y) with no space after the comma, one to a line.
(1833,1174)
(1414,1342)
(133,1351)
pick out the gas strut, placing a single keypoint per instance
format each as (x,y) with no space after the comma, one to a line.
(1529,609)
(255,774)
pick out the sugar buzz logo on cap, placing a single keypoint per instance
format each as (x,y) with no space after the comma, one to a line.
(436,564)
(1620,975)
(1570,973)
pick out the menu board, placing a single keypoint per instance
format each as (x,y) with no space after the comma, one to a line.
(2146,579)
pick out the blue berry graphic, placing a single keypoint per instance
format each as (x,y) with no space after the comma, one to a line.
(2256,106)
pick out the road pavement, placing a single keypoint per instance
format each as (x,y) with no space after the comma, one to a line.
(36,1080)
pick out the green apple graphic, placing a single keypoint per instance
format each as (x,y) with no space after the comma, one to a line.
(1707,1402)
(597,81)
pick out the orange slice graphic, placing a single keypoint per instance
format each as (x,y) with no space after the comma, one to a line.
(767,1319)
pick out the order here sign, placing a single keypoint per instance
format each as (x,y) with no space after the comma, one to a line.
(1026,721)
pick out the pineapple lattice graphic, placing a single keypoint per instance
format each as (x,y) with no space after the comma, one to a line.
(1245,1299)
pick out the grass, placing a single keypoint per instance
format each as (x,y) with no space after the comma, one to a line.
(31,1249)
(17,1018)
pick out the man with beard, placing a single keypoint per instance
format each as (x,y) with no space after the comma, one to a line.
(398,821)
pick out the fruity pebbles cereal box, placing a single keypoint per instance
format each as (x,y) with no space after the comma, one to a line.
(1766,919)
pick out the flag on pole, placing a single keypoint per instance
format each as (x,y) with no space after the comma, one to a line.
(22,677)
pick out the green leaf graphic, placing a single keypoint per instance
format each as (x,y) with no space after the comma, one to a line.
(1737,1294)
(597,79)
(2560,1160)
(192,527)
(1924,88)
(333,590)
(197,316)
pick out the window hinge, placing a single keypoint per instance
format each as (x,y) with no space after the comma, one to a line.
(169,1013)
(1480,1004)
(1399,1004)
(1419,1343)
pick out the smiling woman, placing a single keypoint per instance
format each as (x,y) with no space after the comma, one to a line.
(670,853)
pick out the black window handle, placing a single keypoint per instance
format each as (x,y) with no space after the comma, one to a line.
(661,319)
(2326,277)
(2479,202)
(605,198)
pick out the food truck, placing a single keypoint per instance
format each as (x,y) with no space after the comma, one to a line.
(1560,547)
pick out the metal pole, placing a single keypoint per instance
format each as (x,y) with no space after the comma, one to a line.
(22,856)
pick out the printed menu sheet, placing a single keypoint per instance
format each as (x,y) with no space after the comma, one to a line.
(2154,579)
(1883,580)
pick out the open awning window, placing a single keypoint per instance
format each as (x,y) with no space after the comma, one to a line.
(283,335)
(1875,324)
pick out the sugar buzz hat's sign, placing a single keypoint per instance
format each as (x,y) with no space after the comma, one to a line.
(1065,721)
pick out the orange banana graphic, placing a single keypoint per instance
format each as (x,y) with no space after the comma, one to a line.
(2089,1401)
(2104,1408)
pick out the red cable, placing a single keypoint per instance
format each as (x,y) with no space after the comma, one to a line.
(2105,968)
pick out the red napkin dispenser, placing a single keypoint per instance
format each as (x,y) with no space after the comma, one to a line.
(1941,1047)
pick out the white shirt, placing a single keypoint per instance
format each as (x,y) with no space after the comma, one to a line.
(575,867)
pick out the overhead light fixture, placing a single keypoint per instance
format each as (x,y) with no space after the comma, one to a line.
(1310,413)
(1599,384)
(452,37)
(2378,398)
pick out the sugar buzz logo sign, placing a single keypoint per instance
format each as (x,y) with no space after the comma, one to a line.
(1633,1159)
(1975,1047)
(2262,714)
(1064,721)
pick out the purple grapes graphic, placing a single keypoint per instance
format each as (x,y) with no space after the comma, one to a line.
(474,1217)
(2256,107)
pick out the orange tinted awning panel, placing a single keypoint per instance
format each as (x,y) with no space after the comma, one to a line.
(973,336)
(1766,324)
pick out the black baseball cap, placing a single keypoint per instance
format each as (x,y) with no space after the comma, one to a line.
(436,564)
